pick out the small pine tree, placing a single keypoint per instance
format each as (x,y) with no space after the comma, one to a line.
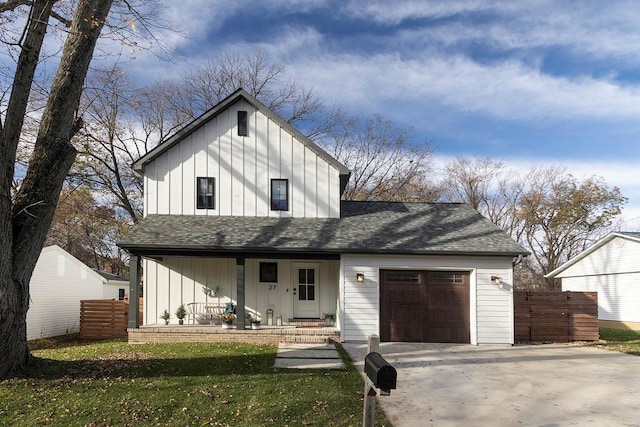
(181,313)
(165,316)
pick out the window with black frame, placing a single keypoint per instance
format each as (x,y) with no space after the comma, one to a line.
(268,272)
(205,193)
(279,194)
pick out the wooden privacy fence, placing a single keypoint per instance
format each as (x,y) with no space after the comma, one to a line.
(555,316)
(104,319)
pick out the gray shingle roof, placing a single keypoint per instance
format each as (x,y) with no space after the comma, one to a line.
(365,227)
(111,277)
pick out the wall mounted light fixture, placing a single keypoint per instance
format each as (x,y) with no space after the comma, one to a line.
(497,280)
(360,277)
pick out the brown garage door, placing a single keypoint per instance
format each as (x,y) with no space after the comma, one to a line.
(424,306)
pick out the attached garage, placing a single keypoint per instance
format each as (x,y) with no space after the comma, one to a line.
(424,306)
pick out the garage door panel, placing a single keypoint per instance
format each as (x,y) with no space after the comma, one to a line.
(401,307)
(424,306)
(404,333)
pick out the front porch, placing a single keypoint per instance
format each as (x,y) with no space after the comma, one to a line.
(155,334)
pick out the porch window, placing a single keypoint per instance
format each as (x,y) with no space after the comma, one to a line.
(206,192)
(279,194)
(306,284)
(268,272)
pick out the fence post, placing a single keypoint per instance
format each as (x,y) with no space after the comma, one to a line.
(373,344)
(369,409)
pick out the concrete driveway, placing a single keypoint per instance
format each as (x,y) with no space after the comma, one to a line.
(524,385)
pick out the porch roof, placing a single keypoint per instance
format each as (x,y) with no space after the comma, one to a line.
(364,227)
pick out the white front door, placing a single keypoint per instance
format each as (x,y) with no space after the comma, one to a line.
(306,287)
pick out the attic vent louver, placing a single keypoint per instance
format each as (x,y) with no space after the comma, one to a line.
(242,123)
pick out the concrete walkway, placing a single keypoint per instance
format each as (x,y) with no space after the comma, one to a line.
(308,356)
(529,385)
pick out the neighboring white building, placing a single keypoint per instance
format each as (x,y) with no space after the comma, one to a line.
(610,267)
(114,287)
(58,284)
(243,204)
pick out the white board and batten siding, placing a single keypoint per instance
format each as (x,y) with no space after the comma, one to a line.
(180,280)
(243,167)
(491,306)
(58,284)
(112,289)
(612,270)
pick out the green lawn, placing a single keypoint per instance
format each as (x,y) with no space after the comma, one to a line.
(112,383)
(624,341)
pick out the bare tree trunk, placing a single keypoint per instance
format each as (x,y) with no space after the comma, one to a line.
(14,300)
(35,203)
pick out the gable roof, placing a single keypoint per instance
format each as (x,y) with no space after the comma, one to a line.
(365,227)
(59,250)
(633,236)
(109,278)
(235,97)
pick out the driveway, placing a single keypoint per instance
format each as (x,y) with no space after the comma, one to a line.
(524,385)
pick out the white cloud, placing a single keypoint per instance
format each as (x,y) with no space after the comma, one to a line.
(586,28)
(434,74)
(395,12)
(506,90)
(194,19)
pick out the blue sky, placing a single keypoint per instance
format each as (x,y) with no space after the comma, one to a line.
(532,83)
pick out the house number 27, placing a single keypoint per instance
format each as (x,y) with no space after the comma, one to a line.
(272,287)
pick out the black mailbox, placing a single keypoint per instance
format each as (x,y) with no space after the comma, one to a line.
(381,374)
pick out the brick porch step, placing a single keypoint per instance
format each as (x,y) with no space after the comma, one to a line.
(307,323)
(266,335)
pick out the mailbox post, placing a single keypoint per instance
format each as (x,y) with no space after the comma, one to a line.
(379,375)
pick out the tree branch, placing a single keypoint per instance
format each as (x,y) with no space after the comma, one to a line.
(13,4)
(64,21)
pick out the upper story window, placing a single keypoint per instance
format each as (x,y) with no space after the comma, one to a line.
(243,128)
(206,193)
(279,194)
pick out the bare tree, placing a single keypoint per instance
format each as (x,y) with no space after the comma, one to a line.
(563,216)
(106,143)
(25,220)
(384,162)
(489,187)
(549,212)
(122,123)
(263,78)
(88,230)
(472,181)
(26,213)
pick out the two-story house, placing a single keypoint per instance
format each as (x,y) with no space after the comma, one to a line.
(241,204)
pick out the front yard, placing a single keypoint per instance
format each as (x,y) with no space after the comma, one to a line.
(112,383)
(624,341)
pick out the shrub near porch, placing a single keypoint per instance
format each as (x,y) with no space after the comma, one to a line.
(113,383)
